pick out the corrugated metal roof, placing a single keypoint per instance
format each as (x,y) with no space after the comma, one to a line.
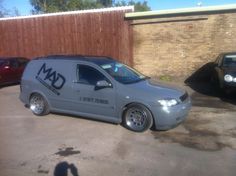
(181,12)
(72,12)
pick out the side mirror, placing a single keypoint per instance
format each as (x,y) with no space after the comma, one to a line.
(102,84)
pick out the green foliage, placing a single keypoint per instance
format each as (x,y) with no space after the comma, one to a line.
(138,6)
(166,78)
(49,6)
(105,3)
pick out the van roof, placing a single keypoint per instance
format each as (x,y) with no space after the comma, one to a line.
(99,60)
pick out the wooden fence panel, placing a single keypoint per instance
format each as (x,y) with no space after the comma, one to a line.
(103,33)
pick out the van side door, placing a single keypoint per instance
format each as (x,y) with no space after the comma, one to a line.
(90,100)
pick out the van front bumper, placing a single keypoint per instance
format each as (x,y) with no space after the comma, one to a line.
(169,117)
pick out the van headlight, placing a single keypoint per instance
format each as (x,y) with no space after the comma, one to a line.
(168,102)
(228,78)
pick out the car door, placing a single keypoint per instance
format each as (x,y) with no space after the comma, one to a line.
(101,102)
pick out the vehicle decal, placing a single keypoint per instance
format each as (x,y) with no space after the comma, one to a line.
(50,79)
(94,100)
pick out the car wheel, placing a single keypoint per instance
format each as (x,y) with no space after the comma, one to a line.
(38,105)
(137,118)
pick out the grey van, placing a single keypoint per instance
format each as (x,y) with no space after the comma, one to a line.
(104,89)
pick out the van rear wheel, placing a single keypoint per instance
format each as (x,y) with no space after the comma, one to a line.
(137,118)
(38,105)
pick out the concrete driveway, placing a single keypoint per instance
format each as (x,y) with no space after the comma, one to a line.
(205,144)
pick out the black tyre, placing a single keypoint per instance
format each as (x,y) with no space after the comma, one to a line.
(38,105)
(137,117)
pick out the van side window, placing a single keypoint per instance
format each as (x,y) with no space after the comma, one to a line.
(89,75)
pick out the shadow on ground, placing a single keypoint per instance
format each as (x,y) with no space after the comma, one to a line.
(205,91)
(198,132)
(63,168)
(7,85)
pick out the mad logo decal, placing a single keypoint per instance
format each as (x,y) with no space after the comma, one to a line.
(51,79)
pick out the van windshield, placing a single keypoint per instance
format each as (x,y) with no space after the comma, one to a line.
(123,73)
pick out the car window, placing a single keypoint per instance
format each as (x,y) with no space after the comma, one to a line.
(14,63)
(22,62)
(2,62)
(89,75)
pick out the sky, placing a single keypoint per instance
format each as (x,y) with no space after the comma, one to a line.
(24,6)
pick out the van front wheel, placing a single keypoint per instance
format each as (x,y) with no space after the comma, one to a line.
(38,105)
(137,118)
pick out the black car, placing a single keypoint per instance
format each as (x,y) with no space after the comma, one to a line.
(224,74)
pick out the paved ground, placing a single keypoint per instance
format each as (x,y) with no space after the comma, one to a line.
(55,144)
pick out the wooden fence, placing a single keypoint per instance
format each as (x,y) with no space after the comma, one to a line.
(103,32)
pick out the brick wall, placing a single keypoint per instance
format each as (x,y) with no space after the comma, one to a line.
(180,46)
